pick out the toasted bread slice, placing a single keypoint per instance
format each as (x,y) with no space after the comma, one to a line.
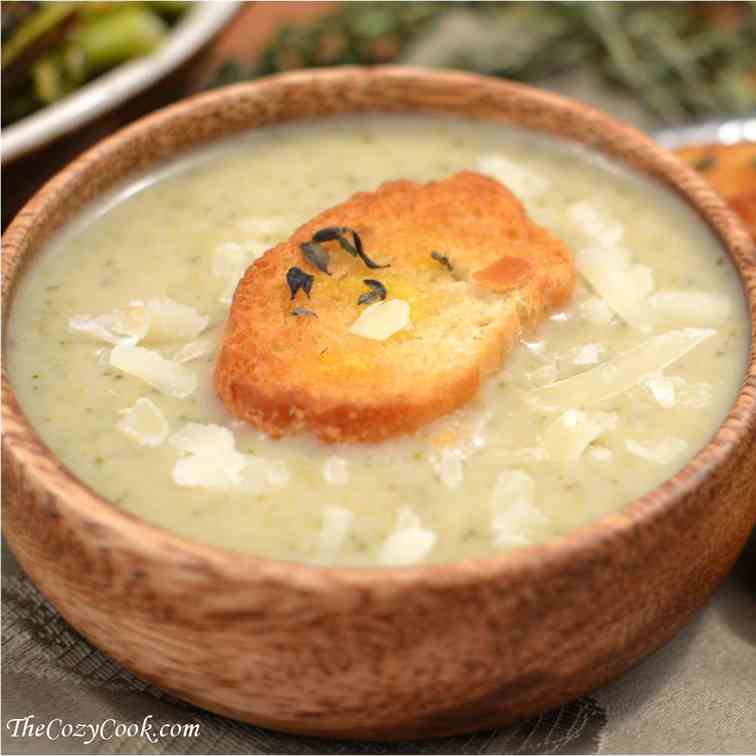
(731,170)
(285,373)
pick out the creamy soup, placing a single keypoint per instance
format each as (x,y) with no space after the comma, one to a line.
(606,400)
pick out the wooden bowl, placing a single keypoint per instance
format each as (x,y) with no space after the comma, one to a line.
(376,653)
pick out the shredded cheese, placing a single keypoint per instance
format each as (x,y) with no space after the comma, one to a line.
(662,389)
(524,183)
(193,350)
(516,520)
(334,529)
(144,423)
(696,308)
(596,224)
(156,321)
(567,438)
(231,260)
(171,321)
(381,320)
(211,460)
(662,452)
(625,287)
(409,543)
(619,374)
(155,370)
(336,471)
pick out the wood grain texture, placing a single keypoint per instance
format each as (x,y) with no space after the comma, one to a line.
(376,653)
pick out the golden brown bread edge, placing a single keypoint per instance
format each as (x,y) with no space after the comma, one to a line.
(731,170)
(285,374)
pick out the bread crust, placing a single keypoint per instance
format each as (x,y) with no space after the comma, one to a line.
(731,170)
(286,374)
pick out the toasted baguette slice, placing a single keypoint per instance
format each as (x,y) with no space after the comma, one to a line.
(731,170)
(285,373)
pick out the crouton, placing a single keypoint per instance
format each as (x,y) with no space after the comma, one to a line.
(462,254)
(731,170)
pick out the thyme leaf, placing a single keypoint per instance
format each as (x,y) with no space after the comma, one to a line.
(443,259)
(354,248)
(316,256)
(297,279)
(330,233)
(705,163)
(303,312)
(376,294)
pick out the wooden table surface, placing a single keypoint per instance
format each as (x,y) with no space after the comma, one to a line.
(243,40)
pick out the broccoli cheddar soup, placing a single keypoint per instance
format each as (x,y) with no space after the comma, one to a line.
(117,326)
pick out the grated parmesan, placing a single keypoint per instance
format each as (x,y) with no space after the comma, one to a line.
(259,474)
(381,320)
(221,472)
(196,438)
(516,519)
(620,373)
(595,310)
(278,474)
(231,260)
(144,423)
(596,224)
(662,389)
(625,287)
(193,350)
(155,370)
(449,467)
(696,308)
(588,354)
(600,453)
(526,184)
(336,471)
(526,455)
(157,320)
(571,433)
(334,529)
(169,320)
(409,543)
(661,452)
(212,461)
(543,375)
(693,395)
(118,327)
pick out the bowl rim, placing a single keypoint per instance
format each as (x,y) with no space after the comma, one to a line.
(157,544)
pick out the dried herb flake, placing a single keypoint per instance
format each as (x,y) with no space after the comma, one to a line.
(376,294)
(705,163)
(316,256)
(303,312)
(354,248)
(297,279)
(443,259)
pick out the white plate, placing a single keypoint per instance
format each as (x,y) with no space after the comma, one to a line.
(199,25)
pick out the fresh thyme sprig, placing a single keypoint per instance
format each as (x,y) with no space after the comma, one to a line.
(677,59)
